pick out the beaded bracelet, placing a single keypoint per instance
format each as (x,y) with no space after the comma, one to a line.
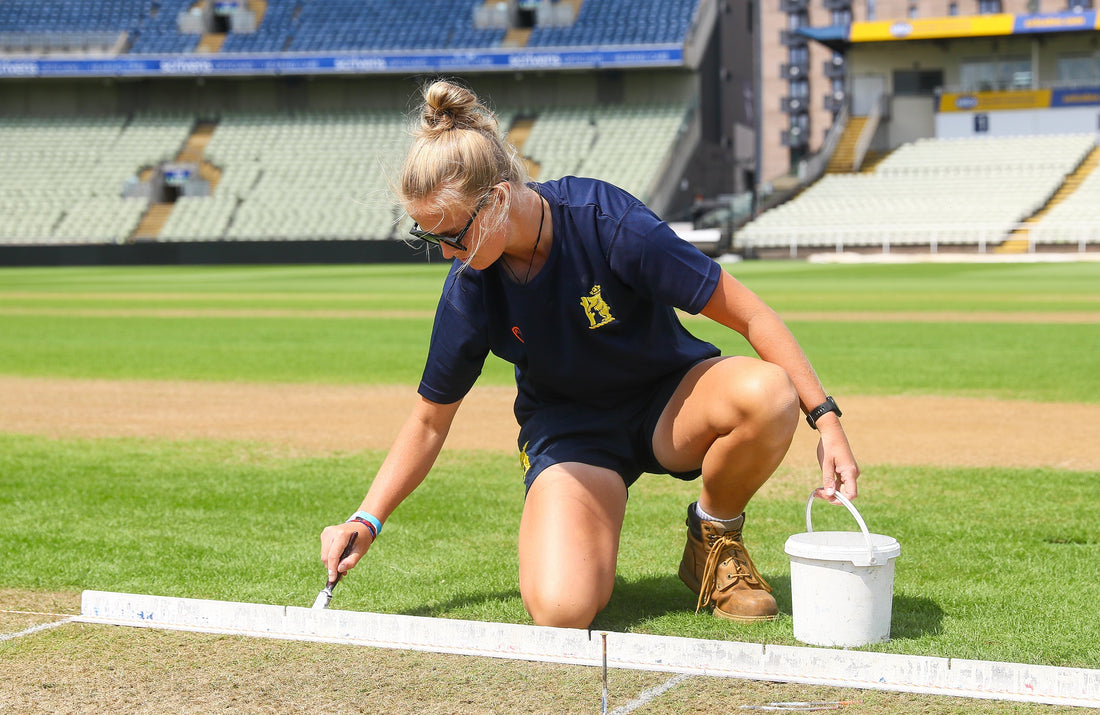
(368,520)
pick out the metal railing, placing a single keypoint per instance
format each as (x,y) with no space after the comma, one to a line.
(981,238)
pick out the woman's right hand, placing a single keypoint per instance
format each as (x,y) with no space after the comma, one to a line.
(334,539)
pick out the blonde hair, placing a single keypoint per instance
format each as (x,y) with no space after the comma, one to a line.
(457,154)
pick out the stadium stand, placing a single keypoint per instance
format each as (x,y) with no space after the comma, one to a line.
(284,175)
(623,144)
(938,191)
(620,22)
(337,25)
(1075,219)
(63,180)
(68,178)
(159,32)
(290,178)
(386,25)
(72,15)
(60,25)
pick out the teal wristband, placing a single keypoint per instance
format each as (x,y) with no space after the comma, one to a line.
(368,518)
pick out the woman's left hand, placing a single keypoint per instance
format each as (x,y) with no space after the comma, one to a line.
(839,470)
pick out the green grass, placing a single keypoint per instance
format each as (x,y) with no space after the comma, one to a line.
(999,564)
(787,285)
(988,570)
(1043,287)
(45,328)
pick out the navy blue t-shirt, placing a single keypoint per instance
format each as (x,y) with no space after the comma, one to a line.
(595,325)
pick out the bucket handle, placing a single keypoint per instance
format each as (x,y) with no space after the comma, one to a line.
(871,560)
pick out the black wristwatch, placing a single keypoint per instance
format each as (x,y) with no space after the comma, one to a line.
(829,405)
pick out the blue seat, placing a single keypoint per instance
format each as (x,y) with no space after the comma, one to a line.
(349,25)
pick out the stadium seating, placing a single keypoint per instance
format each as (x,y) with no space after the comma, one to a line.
(62,180)
(72,15)
(385,25)
(151,25)
(1075,220)
(291,175)
(624,144)
(159,33)
(340,25)
(621,22)
(941,191)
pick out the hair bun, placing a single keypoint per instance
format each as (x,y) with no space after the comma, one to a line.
(448,106)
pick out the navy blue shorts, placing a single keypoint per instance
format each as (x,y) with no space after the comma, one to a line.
(620,439)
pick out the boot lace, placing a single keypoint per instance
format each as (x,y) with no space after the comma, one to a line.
(745,568)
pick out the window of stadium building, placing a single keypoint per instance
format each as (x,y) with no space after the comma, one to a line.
(993,74)
(917,83)
(989,7)
(1079,5)
(1078,70)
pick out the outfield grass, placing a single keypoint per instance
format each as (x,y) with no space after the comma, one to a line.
(328,325)
(999,564)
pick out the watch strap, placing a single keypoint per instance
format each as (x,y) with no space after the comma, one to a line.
(829,405)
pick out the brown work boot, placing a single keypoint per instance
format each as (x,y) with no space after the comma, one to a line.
(717,567)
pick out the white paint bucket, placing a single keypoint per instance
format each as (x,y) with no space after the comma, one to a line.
(842,583)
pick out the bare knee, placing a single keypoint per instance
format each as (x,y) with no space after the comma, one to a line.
(771,386)
(766,399)
(569,542)
(562,610)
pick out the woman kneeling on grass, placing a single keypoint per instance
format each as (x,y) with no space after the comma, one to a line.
(575,282)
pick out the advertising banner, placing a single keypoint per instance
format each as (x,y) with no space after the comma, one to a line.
(350,63)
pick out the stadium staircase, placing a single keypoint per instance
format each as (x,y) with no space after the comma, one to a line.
(517,37)
(153,220)
(148,229)
(843,158)
(872,160)
(211,43)
(259,9)
(517,137)
(1019,241)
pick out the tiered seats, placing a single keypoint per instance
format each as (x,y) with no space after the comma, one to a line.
(61,180)
(305,175)
(624,144)
(621,22)
(962,191)
(301,176)
(322,176)
(159,33)
(385,25)
(72,15)
(632,144)
(150,25)
(560,138)
(335,25)
(1075,220)
(273,34)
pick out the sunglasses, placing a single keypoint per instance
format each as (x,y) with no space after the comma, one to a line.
(454,241)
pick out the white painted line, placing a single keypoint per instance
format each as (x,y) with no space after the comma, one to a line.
(816,666)
(647,696)
(36,629)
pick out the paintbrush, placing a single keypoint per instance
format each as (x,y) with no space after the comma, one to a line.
(325,595)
